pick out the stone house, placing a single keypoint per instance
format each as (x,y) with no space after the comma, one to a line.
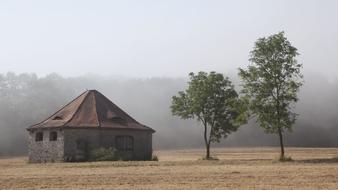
(89,122)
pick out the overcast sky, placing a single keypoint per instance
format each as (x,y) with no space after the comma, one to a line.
(146,38)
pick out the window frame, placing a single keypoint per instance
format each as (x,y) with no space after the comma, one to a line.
(53,134)
(39,136)
(124,143)
(118,120)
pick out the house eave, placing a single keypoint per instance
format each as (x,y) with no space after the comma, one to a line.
(90,128)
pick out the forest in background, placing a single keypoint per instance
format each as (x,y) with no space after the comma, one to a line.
(26,99)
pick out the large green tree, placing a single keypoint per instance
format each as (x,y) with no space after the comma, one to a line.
(271,82)
(212,100)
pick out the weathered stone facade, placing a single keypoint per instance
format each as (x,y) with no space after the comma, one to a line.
(65,147)
(46,150)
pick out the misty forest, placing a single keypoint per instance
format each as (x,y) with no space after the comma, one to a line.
(179,95)
(26,99)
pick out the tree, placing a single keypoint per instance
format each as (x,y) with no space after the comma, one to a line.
(212,100)
(271,84)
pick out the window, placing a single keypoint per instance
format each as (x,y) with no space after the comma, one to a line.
(39,136)
(118,120)
(53,136)
(57,118)
(125,143)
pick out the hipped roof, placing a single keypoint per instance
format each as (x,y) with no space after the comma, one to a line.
(91,110)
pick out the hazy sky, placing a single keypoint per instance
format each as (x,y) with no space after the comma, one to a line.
(144,38)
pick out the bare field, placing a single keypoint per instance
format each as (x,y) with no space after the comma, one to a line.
(238,168)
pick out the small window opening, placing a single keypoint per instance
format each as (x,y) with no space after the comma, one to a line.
(53,136)
(57,118)
(39,136)
(125,143)
(118,120)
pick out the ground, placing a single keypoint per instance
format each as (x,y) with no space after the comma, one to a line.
(240,168)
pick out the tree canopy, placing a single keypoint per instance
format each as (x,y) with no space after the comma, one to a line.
(212,100)
(272,82)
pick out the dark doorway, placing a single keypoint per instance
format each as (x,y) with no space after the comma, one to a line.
(82,153)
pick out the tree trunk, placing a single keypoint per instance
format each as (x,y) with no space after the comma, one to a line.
(208,151)
(207,145)
(279,129)
(281,144)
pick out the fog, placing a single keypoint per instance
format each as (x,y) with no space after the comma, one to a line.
(138,54)
(26,99)
(152,38)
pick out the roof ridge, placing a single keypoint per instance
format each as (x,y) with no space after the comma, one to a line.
(78,108)
(60,109)
(95,106)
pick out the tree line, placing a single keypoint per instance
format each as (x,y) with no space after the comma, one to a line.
(27,98)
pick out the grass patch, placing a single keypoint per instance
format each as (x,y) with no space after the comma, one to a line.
(320,161)
(210,158)
(286,159)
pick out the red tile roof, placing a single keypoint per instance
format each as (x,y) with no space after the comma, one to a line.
(91,110)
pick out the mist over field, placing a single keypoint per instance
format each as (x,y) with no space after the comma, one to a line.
(139,54)
(26,99)
(152,58)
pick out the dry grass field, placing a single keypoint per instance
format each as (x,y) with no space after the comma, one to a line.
(241,168)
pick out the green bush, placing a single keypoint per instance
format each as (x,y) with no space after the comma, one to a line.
(286,159)
(154,158)
(104,154)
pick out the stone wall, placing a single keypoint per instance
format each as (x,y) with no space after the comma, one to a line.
(65,147)
(45,151)
(97,138)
